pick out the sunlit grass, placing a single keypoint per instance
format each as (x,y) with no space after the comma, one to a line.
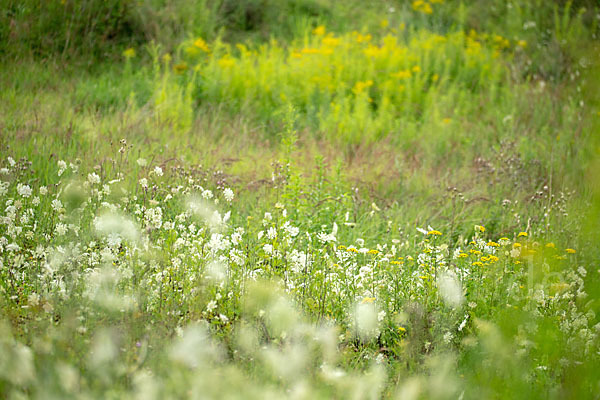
(406,210)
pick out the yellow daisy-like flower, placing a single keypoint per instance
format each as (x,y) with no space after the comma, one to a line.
(368,300)
(571,251)
(477,264)
(435,233)
(522,234)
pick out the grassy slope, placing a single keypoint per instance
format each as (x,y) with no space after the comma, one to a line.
(81,116)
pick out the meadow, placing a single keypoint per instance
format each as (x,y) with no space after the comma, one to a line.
(299,199)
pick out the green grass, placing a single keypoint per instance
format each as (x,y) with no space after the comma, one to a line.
(129,271)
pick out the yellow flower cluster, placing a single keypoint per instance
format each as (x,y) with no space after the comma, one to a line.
(356,83)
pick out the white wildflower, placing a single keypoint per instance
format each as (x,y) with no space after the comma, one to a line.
(450,289)
(93,178)
(207,194)
(448,336)
(268,248)
(292,231)
(236,238)
(211,306)
(57,205)
(33,299)
(113,240)
(24,190)
(62,167)
(463,323)
(61,229)
(228,194)
(154,217)
(271,233)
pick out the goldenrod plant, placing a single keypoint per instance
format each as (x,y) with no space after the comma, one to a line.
(396,199)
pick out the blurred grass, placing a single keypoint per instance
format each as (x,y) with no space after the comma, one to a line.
(529,136)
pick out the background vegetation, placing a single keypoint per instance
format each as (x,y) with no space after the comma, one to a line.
(300,198)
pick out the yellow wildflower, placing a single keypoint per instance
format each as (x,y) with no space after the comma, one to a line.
(319,30)
(129,53)
(404,74)
(571,251)
(422,6)
(523,234)
(368,300)
(226,62)
(201,44)
(434,232)
(331,41)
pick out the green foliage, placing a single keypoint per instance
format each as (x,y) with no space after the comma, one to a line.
(199,217)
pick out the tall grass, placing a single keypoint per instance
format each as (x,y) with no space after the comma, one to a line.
(402,210)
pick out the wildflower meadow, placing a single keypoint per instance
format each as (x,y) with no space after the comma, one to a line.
(304,199)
